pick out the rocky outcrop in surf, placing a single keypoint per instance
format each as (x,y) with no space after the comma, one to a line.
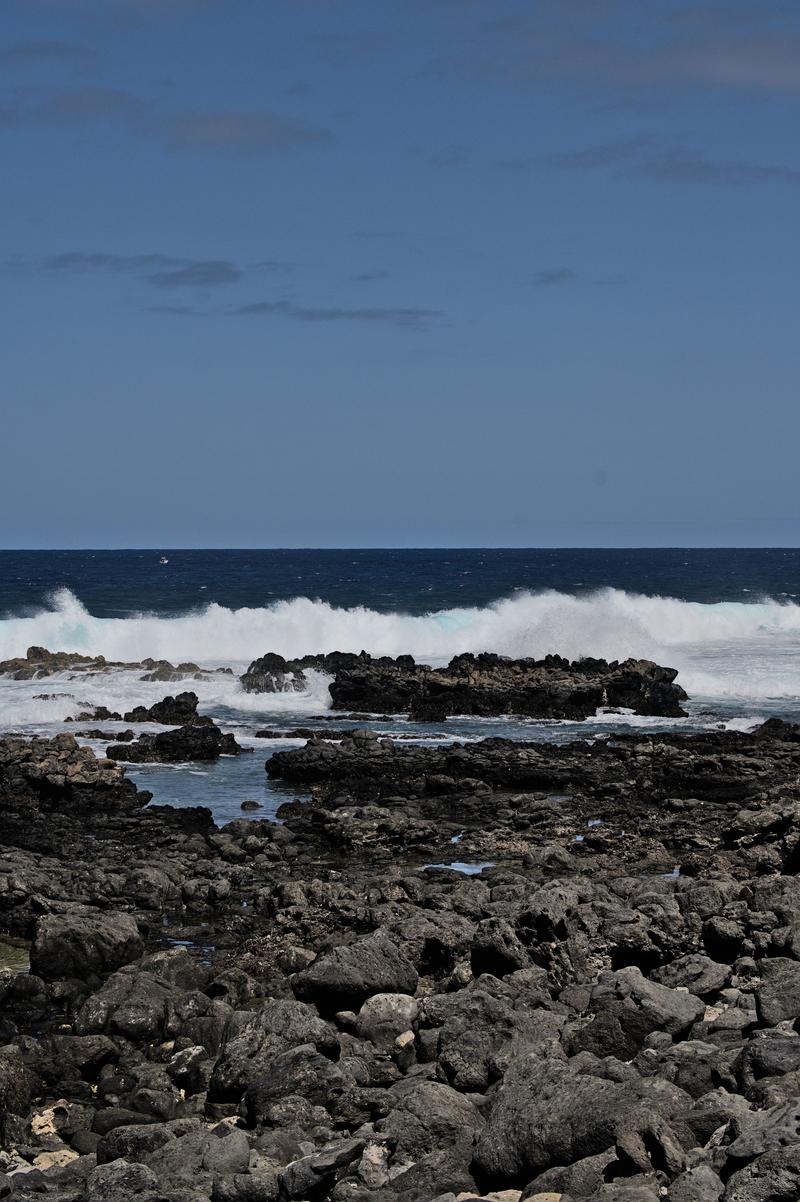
(38,663)
(199,741)
(170,711)
(481,685)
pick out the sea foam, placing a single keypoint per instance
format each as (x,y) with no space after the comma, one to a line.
(723,649)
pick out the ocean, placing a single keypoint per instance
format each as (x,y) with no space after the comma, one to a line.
(728,620)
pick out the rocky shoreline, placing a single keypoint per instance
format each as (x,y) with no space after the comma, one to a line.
(601,1001)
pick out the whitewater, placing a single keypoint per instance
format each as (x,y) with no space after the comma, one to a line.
(748,651)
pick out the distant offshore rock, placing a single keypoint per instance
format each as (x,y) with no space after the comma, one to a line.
(480,685)
(38,663)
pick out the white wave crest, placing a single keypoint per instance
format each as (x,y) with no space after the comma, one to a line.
(724,649)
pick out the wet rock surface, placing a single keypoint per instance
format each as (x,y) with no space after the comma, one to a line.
(484,685)
(305,1010)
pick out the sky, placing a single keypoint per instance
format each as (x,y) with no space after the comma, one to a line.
(399,273)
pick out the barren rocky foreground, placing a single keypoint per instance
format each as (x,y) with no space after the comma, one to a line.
(607,1010)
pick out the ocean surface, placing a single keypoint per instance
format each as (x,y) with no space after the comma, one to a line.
(728,620)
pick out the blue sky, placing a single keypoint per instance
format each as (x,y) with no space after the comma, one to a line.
(408,272)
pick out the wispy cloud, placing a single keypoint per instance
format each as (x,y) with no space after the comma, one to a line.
(388,316)
(157,270)
(202,274)
(553,277)
(641,157)
(558,277)
(238,132)
(232,131)
(630,47)
(370,277)
(684,168)
(608,154)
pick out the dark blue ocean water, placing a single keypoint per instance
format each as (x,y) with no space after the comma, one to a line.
(119,583)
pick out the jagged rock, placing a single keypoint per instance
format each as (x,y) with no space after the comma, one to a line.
(200,741)
(489,685)
(773,1177)
(314,1176)
(15,1087)
(47,775)
(272,674)
(762,1132)
(778,995)
(180,710)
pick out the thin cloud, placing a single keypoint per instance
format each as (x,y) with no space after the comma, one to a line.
(203,274)
(590,158)
(680,168)
(386,316)
(230,130)
(239,132)
(638,158)
(369,277)
(157,270)
(625,47)
(553,277)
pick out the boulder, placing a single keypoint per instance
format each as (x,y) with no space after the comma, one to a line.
(778,995)
(548,1112)
(428,1117)
(658,1007)
(384,1016)
(279,1025)
(699,974)
(773,1177)
(81,946)
(344,978)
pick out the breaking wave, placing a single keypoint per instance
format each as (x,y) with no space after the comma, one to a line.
(723,649)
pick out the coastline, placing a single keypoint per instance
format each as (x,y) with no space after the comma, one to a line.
(319,1007)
